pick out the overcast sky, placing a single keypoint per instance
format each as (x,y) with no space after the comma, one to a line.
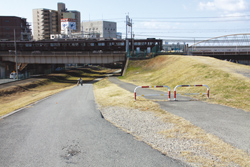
(186,19)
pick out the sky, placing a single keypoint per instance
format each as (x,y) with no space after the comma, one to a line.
(165,19)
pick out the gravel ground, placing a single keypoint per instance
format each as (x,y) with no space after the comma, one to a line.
(147,127)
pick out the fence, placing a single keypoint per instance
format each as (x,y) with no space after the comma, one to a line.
(169,91)
(190,93)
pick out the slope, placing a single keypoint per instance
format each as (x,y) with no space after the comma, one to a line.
(228,82)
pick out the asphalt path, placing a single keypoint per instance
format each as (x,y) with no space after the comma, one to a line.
(230,124)
(67,129)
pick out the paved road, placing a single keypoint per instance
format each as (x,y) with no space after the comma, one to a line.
(67,130)
(231,125)
(3,81)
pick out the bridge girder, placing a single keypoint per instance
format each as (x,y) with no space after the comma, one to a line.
(65,57)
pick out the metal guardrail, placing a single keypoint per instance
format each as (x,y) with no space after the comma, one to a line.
(169,91)
(190,93)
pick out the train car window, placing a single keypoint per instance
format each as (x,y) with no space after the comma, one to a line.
(2,44)
(83,44)
(92,44)
(156,43)
(101,44)
(120,43)
(10,45)
(20,45)
(28,45)
(54,44)
(64,44)
(135,44)
(75,44)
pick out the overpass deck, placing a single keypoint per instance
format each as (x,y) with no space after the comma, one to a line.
(59,57)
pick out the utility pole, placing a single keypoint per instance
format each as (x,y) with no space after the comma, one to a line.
(15,53)
(127,43)
(132,38)
(128,23)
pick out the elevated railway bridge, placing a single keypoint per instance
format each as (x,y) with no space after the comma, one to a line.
(73,51)
(234,47)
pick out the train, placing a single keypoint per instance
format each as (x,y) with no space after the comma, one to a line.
(82,45)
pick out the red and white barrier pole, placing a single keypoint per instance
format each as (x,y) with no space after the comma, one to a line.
(169,91)
(190,93)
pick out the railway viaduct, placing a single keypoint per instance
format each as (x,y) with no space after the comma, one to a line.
(57,58)
(73,57)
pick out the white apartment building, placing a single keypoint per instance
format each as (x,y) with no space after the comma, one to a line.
(99,29)
(45,22)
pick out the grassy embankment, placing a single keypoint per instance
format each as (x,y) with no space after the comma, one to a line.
(20,95)
(227,87)
(227,84)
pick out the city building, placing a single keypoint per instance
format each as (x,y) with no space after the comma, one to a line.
(47,21)
(10,23)
(64,13)
(100,29)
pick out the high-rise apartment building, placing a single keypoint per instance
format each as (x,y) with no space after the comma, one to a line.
(47,21)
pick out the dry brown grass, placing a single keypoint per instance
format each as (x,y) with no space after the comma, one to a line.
(227,84)
(21,95)
(223,153)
